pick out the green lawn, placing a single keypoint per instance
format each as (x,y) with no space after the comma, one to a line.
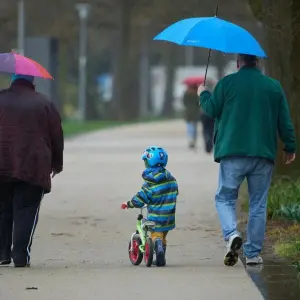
(73,127)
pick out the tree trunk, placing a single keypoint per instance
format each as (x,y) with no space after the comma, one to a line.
(121,78)
(280,18)
(62,76)
(170,60)
(144,84)
(295,77)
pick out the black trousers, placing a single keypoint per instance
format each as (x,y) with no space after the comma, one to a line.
(19,212)
(208,132)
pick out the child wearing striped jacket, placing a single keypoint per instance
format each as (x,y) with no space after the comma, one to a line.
(159,192)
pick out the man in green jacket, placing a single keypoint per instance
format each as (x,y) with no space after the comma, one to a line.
(250,110)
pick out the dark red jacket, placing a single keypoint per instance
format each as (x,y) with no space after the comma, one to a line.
(31,136)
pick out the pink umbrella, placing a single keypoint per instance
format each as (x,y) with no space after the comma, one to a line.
(14,63)
(194,80)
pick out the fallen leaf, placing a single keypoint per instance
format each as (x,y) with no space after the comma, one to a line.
(61,234)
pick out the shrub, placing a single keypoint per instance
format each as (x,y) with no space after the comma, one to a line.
(290,212)
(283,198)
(284,194)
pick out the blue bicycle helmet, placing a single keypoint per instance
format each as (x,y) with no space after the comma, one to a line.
(155,156)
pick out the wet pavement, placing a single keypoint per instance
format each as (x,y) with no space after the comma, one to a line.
(277,279)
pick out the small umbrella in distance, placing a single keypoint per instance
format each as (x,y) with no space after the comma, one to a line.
(14,63)
(194,80)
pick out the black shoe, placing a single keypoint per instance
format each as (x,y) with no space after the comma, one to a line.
(21,260)
(192,145)
(22,265)
(5,262)
(5,258)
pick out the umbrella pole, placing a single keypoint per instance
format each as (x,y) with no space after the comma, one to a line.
(209,53)
(208,59)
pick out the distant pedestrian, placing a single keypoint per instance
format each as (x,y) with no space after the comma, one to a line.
(250,109)
(207,125)
(191,114)
(31,148)
(207,132)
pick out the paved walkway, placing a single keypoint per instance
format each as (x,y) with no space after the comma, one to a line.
(80,247)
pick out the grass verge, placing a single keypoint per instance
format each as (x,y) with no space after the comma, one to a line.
(285,239)
(72,128)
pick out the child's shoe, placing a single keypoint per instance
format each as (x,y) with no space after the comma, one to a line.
(165,249)
(160,253)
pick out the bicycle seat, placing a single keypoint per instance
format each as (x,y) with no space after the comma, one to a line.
(148,225)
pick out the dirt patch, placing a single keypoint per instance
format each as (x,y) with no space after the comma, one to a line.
(273,227)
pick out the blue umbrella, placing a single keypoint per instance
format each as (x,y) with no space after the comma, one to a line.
(212,33)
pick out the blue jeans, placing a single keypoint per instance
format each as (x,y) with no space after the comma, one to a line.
(192,130)
(232,173)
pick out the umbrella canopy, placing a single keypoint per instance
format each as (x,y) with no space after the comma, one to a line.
(13,63)
(212,33)
(194,80)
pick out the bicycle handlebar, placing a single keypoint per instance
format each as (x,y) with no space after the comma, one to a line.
(145,206)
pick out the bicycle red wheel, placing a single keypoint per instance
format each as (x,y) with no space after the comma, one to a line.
(135,255)
(149,252)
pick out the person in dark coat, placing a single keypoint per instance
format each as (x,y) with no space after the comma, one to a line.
(207,131)
(191,113)
(31,148)
(207,125)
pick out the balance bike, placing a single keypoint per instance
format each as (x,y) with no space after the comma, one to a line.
(141,245)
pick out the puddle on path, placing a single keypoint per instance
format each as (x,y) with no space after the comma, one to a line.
(276,280)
